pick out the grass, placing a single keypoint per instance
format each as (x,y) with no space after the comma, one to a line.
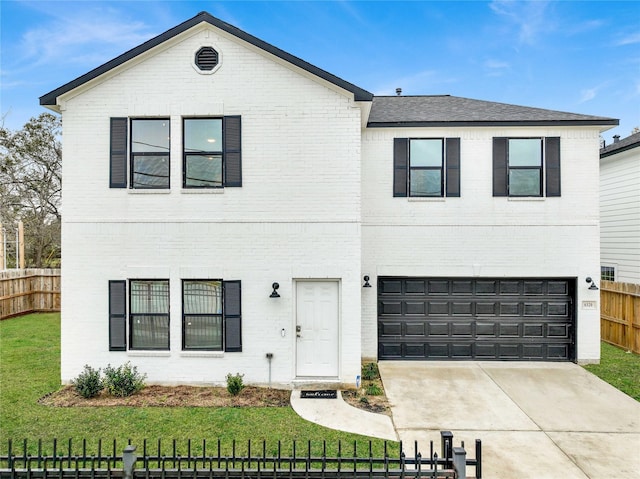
(619,368)
(30,369)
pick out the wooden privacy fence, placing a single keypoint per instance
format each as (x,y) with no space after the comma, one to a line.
(620,314)
(29,290)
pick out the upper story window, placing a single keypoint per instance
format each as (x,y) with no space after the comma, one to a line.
(139,153)
(426,167)
(150,140)
(426,162)
(526,167)
(203,151)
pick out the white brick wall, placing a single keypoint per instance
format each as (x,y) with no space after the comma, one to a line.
(477,234)
(296,216)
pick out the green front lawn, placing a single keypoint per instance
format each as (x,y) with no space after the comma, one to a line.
(619,368)
(30,368)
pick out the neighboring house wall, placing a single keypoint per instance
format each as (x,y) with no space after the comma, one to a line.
(477,234)
(620,210)
(296,216)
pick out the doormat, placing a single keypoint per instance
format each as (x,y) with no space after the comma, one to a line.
(324,394)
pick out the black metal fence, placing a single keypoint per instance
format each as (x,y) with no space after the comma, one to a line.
(206,460)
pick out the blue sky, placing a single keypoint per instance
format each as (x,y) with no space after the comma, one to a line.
(577,56)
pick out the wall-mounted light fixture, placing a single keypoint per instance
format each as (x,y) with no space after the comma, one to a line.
(366,282)
(593,286)
(274,293)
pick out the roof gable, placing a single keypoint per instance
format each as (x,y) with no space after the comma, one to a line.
(50,98)
(446,110)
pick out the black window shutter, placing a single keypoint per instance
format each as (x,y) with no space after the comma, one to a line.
(118,153)
(232,316)
(400,166)
(552,165)
(117,315)
(452,151)
(232,141)
(500,167)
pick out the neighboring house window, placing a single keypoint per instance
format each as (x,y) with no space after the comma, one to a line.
(526,167)
(202,315)
(149,314)
(150,153)
(211,156)
(607,273)
(144,161)
(426,167)
(211,315)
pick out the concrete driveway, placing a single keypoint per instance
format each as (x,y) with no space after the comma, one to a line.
(535,420)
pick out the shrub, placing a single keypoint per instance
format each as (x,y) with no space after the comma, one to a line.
(234,383)
(373,389)
(370,371)
(124,380)
(88,383)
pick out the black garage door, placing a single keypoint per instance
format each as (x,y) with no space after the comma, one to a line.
(476,318)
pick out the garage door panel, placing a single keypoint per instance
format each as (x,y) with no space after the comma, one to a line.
(438,287)
(476,318)
(558,309)
(462,308)
(485,329)
(509,309)
(533,330)
(462,351)
(415,329)
(389,328)
(489,309)
(462,287)
(533,309)
(390,307)
(415,287)
(415,307)
(486,287)
(439,328)
(438,307)
(465,329)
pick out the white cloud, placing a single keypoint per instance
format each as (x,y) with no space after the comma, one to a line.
(530,18)
(86,38)
(588,94)
(496,68)
(629,39)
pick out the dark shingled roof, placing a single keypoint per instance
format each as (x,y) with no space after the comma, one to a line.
(446,110)
(631,141)
(51,97)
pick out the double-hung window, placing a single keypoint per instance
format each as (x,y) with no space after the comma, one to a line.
(426,161)
(150,153)
(526,167)
(426,167)
(211,152)
(202,314)
(149,314)
(607,273)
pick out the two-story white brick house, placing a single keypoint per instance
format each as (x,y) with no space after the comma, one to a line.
(229,207)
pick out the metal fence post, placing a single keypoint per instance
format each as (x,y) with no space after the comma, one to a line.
(446,444)
(460,462)
(128,461)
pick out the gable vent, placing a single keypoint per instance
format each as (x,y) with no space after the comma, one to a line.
(206,58)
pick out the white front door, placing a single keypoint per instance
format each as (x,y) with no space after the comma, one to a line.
(317,328)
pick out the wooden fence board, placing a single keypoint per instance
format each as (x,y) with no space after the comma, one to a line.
(620,314)
(29,290)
